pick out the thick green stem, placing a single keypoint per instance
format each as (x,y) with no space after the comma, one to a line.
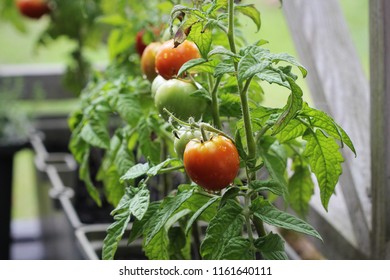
(214,104)
(248,127)
(248,219)
(243,91)
(247,122)
(166,179)
(230,31)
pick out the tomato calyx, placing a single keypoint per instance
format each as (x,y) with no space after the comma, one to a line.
(206,127)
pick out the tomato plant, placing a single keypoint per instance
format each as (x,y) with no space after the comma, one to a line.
(170,58)
(33,8)
(212,164)
(232,143)
(178,96)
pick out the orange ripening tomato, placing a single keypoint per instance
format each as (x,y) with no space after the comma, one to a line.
(33,8)
(212,164)
(148,60)
(169,59)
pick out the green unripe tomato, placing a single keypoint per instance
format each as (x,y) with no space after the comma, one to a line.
(157,82)
(185,136)
(176,96)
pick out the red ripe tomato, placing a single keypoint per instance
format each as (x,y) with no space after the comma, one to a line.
(148,60)
(169,59)
(145,36)
(212,164)
(33,8)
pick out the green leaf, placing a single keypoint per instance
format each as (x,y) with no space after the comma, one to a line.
(301,189)
(271,247)
(225,67)
(202,37)
(84,175)
(268,185)
(154,170)
(197,201)
(219,50)
(114,235)
(269,214)
(135,202)
(114,190)
(190,64)
(325,122)
(139,203)
(114,20)
(325,162)
(136,171)
(226,225)
(207,67)
(124,158)
(289,59)
(238,248)
(157,247)
(77,145)
(249,66)
(149,146)
(199,212)
(230,193)
(251,12)
(179,244)
(230,105)
(290,110)
(276,166)
(291,131)
(138,226)
(95,133)
(273,77)
(169,206)
(129,108)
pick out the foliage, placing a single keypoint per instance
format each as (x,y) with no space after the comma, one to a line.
(281,149)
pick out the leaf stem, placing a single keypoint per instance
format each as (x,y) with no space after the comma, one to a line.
(247,215)
(170,169)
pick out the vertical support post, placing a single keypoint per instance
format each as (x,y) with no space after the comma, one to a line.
(338,86)
(6,169)
(380,125)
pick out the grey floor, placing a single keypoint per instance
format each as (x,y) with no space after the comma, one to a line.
(30,242)
(27,243)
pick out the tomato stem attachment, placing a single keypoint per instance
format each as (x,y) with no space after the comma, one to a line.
(202,130)
(205,126)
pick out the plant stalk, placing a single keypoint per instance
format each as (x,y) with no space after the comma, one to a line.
(214,104)
(243,91)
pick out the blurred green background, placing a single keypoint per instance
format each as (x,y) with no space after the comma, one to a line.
(19,48)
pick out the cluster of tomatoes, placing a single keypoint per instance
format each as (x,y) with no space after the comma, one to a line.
(211,163)
(34,9)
